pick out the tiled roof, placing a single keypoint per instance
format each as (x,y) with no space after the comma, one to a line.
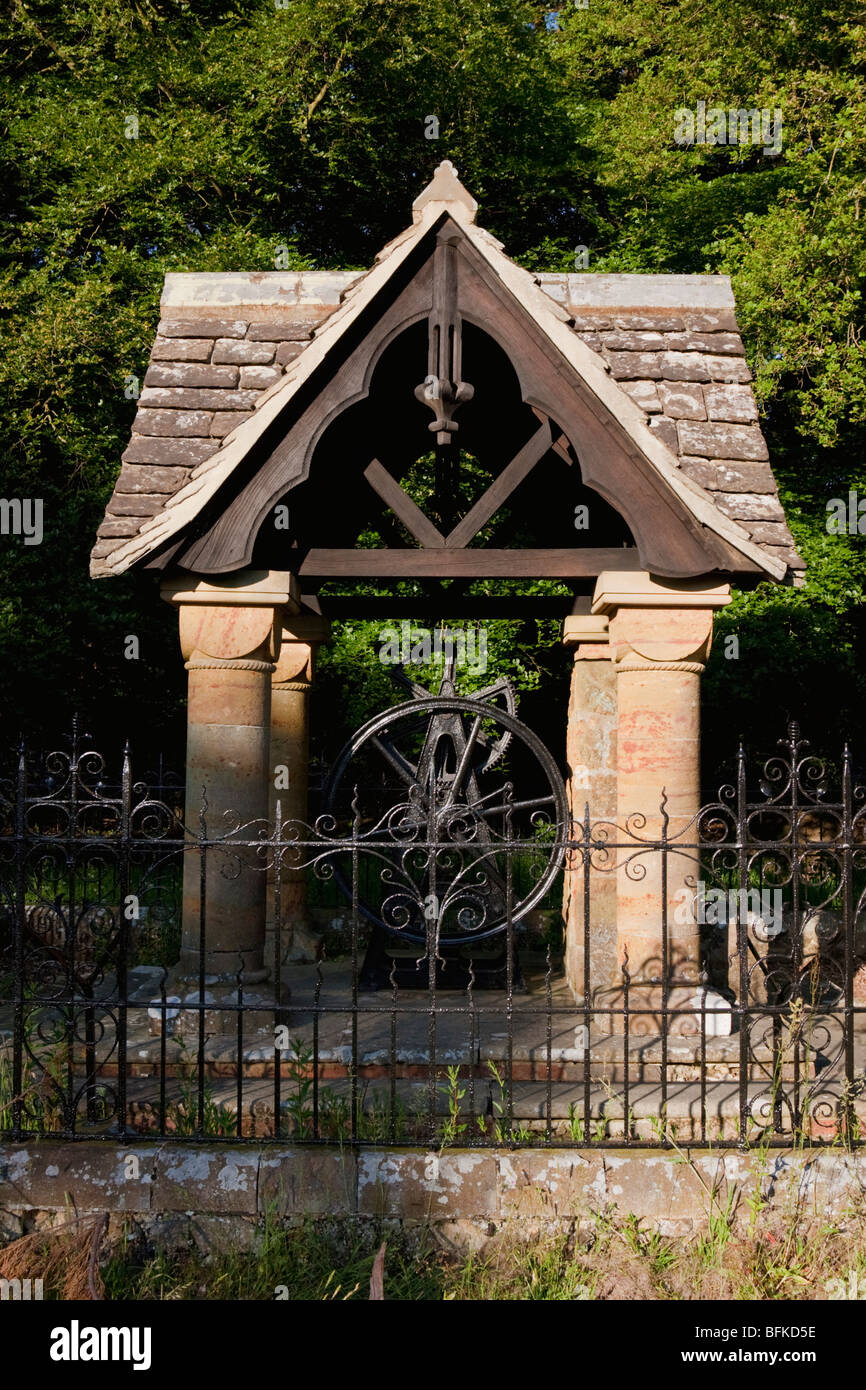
(221,342)
(672,342)
(226,341)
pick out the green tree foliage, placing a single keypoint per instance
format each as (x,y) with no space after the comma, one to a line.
(791,232)
(255,127)
(304,127)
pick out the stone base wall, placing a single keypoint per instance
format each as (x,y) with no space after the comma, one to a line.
(217,1196)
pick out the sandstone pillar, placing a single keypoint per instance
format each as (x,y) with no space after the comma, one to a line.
(660,635)
(291,685)
(591,757)
(230,635)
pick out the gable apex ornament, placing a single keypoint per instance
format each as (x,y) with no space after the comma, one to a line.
(445,187)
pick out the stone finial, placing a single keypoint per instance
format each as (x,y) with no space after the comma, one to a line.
(445,187)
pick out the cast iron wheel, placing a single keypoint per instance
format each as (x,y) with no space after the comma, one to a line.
(460,852)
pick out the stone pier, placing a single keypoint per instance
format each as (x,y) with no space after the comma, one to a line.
(230,638)
(591,756)
(291,685)
(660,635)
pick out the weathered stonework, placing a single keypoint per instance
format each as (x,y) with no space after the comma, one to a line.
(426,1186)
(591,744)
(219,1195)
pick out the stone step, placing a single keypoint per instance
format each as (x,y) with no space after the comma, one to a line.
(412,1065)
(570,1073)
(532,1058)
(403,1113)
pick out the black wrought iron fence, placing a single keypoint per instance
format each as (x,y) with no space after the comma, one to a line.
(453,1006)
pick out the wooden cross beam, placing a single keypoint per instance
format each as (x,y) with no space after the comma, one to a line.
(419,526)
(502,487)
(401,504)
(448,562)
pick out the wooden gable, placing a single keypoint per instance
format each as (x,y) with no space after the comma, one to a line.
(399,385)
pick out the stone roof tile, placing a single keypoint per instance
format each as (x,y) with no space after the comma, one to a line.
(300,330)
(729,475)
(194,423)
(730,402)
(661,322)
(665,429)
(223,421)
(258,378)
(150,478)
(731,344)
(287,352)
(118,526)
(634,366)
(136,504)
(152,448)
(257,354)
(682,400)
(191,398)
(637,340)
(181,350)
(190,374)
(202,328)
(710,321)
(722,441)
(644,393)
(747,506)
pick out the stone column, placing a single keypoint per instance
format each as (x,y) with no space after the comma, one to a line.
(290,755)
(660,635)
(230,637)
(591,757)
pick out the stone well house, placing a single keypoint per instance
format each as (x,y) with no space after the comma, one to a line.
(279,407)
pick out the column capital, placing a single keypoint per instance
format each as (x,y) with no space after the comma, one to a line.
(659,625)
(301,635)
(243,589)
(216,663)
(306,627)
(294,668)
(629,589)
(228,637)
(587,634)
(639,663)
